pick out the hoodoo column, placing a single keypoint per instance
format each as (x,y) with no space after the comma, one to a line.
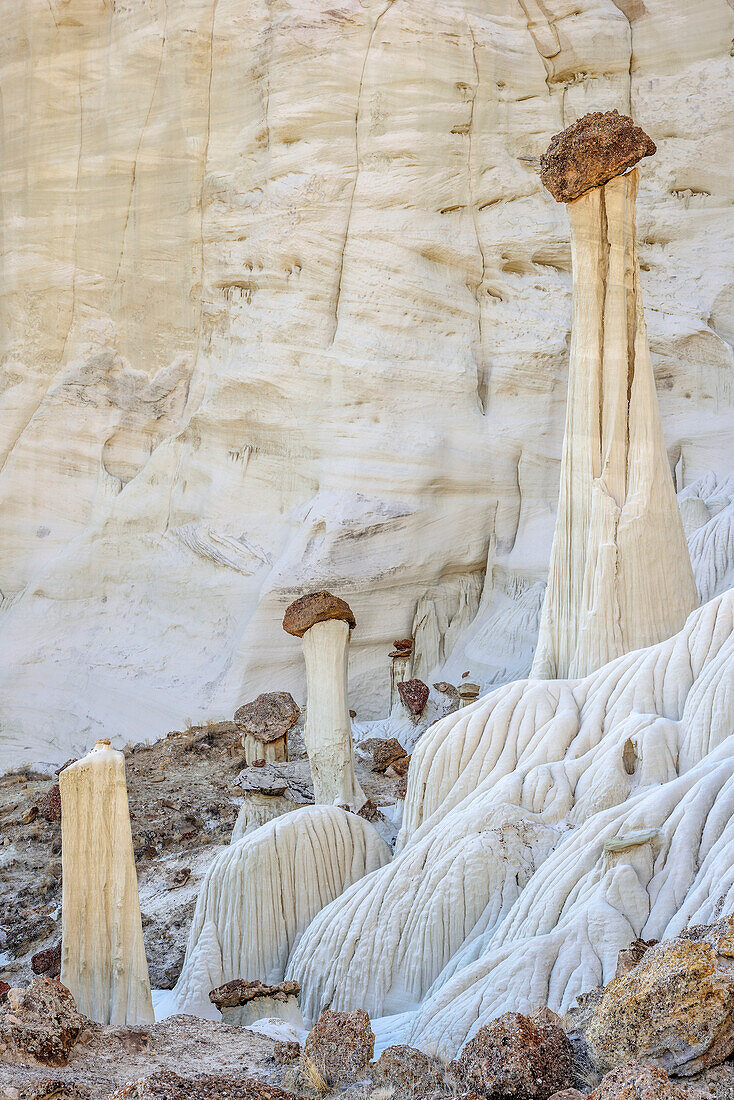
(620,574)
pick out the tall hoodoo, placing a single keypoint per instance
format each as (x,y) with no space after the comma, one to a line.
(102,957)
(323,623)
(620,574)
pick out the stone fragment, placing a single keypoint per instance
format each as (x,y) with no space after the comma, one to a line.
(39,1024)
(50,808)
(242,1002)
(514,1058)
(399,768)
(675,1009)
(386,753)
(167,1085)
(269,717)
(636,1081)
(369,811)
(468,692)
(286,1052)
(629,957)
(414,694)
(48,962)
(568,1094)
(408,1071)
(317,607)
(4,990)
(340,1045)
(403,647)
(592,151)
(262,779)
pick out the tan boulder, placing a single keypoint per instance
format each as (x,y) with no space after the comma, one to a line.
(39,1024)
(675,1009)
(340,1046)
(636,1081)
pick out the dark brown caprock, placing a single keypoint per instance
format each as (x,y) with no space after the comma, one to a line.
(591,152)
(316,607)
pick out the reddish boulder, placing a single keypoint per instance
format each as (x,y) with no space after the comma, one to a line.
(414,694)
(591,152)
(341,1045)
(47,962)
(515,1058)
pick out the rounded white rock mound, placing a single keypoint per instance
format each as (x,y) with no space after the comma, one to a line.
(261,893)
(547,826)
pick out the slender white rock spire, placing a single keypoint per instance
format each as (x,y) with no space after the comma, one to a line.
(102,956)
(620,573)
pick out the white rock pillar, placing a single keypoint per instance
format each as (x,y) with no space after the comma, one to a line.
(102,955)
(620,574)
(323,623)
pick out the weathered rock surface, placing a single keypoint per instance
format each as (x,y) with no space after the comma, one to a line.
(240,992)
(675,1009)
(316,607)
(385,753)
(39,1024)
(636,1081)
(414,694)
(50,808)
(269,717)
(592,151)
(516,1058)
(409,1071)
(340,1045)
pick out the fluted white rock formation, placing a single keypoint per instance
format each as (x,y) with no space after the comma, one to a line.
(262,892)
(102,957)
(611,798)
(620,574)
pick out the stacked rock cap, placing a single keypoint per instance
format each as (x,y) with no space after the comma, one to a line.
(591,152)
(240,992)
(269,717)
(402,647)
(316,607)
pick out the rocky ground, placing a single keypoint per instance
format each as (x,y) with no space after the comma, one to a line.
(184,802)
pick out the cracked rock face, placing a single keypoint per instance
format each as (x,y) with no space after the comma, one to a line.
(269,717)
(592,151)
(675,1009)
(636,1081)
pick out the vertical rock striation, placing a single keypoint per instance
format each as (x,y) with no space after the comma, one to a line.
(620,574)
(102,958)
